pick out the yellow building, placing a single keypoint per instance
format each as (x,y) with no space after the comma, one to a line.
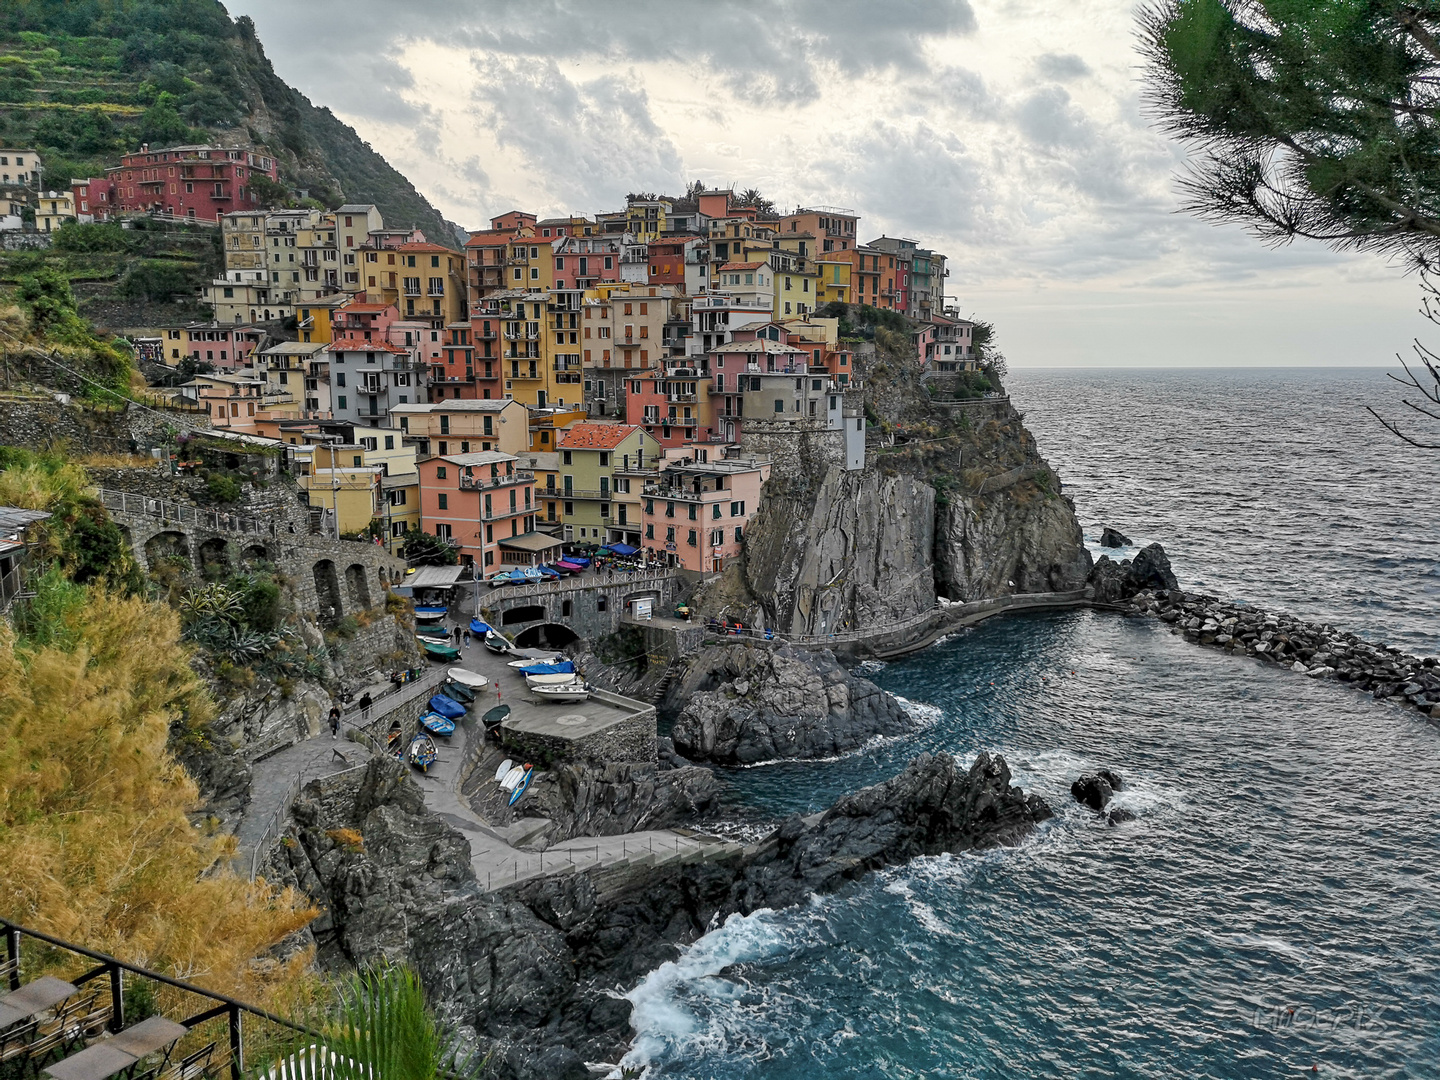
(647,218)
(833,281)
(318,255)
(314,319)
(53,209)
(796,284)
(464,426)
(546,426)
(354,222)
(347,494)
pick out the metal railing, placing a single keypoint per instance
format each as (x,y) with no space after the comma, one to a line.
(474,483)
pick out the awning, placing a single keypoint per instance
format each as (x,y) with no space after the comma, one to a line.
(533,542)
(432,577)
(623,549)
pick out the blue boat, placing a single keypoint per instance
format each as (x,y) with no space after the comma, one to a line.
(549,573)
(447,706)
(521,787)
(564,667)
(437,724)
(430,612)
(479,627)
(529,575)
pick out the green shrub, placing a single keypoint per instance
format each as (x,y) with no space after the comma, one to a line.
(223,488)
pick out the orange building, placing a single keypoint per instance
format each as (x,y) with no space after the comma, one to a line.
(485,506)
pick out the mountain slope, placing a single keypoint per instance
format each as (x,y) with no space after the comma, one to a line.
(83,82)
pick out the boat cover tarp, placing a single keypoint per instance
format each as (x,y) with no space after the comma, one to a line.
(447,706)
(479,627)
(564,667)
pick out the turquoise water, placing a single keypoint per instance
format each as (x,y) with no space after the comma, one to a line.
(1284,857)
(1274,907)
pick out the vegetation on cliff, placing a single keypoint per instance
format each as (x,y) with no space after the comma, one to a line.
(95,813)
(84,82)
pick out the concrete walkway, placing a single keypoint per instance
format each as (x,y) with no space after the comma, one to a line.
(496,859)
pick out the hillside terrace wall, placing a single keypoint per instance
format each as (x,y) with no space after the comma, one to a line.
(797,449)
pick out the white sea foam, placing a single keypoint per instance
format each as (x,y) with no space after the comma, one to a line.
(659,1016)
(923,713)
(871,667)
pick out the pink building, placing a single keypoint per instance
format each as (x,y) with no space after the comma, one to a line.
(485,506)
(696,513)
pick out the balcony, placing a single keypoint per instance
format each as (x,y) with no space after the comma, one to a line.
(371,387)
(485,335)
(481,483)
(567,365)
(527,376)
(588,494)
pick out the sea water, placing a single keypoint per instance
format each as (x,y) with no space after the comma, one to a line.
(1274,907)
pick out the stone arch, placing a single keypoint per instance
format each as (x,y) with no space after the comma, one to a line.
(163,545)
(546,636)
(357,587)
(214,552)
(327,592)
(528,613)
(253,554)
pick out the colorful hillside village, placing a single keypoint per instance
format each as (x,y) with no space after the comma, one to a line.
(619,378)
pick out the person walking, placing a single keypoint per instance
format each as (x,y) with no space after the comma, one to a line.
(334,721)
(365,705)
(465,637)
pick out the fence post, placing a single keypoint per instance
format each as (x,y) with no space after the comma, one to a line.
(237,1046)
(117,999)
(12,954)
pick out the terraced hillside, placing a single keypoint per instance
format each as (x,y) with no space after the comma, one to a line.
(85,81)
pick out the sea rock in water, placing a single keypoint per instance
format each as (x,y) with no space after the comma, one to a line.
(1119,816)
(1150,569)
(1092,789)
(746,703)
(1113,538)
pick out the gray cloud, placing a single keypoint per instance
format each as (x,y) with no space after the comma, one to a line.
(1061,67)
(587,143)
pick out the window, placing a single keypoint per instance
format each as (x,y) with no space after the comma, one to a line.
(737,533)
(440,472)
(566,458)
(600,603)
(444,501)
(737,509)
(649,532)
(604,457)
(442,531)
(779,405)
(716,512)
(691,539)
(340,402)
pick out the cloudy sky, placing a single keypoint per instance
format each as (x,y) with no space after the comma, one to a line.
(1007,133)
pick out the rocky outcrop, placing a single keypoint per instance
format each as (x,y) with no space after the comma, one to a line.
(220,773)
(1113,582)
(853,550)
(531,972)
(1095,789)
(1019,540)
(748,703)
(588,799)
(1113,538)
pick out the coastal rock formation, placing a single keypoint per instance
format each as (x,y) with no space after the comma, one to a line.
(1314,649)
(531,972)
(1018,540)
(747,703)
(584,799)
(1113,538)
(1095,789)
(1150,569)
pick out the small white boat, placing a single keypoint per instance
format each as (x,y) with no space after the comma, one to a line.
(505,767)
(558,679)
(512,778)
(574,692)
(531,661)
(465,677)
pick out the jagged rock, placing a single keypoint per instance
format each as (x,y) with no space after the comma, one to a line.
(1113,538)
(994,545)
(217,768)
(530,973)
(1119,816)
(1092,789)
(748,703)
(1113,582)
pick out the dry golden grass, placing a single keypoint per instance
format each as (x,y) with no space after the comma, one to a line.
(97,846)
(115,461)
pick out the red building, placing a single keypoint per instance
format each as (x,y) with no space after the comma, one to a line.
(485,506)
(199,182)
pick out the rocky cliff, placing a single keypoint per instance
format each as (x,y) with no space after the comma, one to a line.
(532,971)
(955,501)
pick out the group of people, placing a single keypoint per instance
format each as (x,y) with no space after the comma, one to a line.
(363,705)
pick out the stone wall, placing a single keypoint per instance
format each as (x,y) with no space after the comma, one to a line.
(387,644)
(583,615)
(796,448)
(630,740)
(42,422)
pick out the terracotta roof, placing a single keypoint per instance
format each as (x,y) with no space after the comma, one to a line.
(365,346)
(591,436)
(483,237)
(742,266)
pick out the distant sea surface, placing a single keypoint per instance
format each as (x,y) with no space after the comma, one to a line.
(1273,906)
(1270,485)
